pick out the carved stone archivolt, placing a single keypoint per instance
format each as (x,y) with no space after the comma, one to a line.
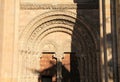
(59,32)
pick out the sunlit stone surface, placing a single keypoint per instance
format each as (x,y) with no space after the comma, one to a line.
(35,34)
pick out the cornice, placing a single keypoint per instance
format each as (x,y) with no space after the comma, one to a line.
(36,6)
(29,6)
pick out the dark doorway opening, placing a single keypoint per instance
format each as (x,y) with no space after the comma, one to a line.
(46,78)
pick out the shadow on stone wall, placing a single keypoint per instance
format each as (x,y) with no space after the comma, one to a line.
(85,61)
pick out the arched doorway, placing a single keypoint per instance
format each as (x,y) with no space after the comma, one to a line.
(57,41)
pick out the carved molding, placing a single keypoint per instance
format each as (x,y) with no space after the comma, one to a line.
(47,6)
(56,21)
(47,16)
(83,43)
(32,6)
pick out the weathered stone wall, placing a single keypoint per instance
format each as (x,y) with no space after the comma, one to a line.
(14,17)
(33,15)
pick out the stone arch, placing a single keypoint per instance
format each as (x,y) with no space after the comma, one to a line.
(59,20)
(84,41)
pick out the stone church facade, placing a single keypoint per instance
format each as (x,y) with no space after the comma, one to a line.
(59,41)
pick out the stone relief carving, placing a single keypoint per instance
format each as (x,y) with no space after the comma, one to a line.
(43,18)
(58,22)
(82,40)
(48,46)
(47,6)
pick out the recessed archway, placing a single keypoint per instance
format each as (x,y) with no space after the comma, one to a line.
(78,36)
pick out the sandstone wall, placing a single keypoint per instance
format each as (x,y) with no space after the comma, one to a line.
(14,19)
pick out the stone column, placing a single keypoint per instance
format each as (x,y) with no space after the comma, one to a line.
(1,31)
(118,33)
(106,42)
(7,40)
